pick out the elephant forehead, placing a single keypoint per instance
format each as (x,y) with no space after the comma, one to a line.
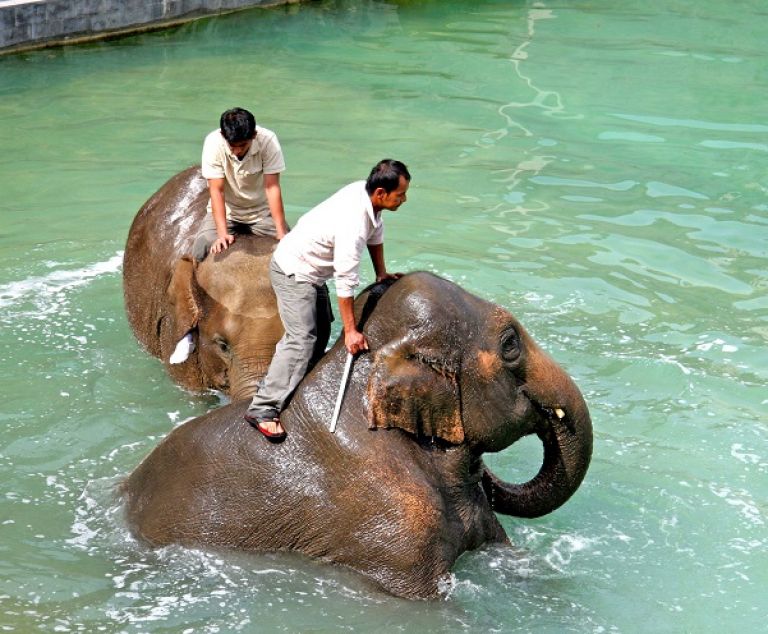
(246,302)
(247,305)
(240,284)
(440,310)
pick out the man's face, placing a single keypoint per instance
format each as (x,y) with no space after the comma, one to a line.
(391,200)
(240,148)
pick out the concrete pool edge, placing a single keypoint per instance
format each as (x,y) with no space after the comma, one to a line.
(33,24)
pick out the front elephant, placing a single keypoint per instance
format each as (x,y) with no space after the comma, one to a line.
(226,301)
(400,491)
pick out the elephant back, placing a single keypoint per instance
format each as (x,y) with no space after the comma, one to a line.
(162,231)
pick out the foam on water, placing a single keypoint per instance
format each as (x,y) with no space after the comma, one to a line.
(46,292)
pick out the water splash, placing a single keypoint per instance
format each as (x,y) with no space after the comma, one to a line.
(46,292)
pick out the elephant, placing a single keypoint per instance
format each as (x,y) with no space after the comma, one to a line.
(400,490)
(226,301)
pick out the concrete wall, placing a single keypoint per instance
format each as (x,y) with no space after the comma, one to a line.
(28,24)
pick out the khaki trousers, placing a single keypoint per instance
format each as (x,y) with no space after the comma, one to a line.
(207,235)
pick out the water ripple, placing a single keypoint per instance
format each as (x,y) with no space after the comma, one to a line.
(693,123)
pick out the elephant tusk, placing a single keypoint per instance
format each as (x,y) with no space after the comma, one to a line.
(561,417)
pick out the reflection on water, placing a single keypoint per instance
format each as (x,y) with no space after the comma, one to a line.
(598,169)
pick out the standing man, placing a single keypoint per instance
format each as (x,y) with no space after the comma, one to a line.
(242,163)
(327,242)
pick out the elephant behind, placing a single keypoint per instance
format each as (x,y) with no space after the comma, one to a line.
(226,301)
(400,491)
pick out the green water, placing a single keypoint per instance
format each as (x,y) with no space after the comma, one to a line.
(599,168)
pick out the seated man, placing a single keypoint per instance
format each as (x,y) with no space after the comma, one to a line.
(327,242)
(242,163)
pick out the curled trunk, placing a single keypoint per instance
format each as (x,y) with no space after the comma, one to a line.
(567,453)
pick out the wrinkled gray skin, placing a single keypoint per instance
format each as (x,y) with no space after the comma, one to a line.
(226,301)
(400,490)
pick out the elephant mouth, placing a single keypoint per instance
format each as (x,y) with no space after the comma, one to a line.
(554,415)
(567,443)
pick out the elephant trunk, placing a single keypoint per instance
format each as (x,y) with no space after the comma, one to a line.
(245,375)
(565,429)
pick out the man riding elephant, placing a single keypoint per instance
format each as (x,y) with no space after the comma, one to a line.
(242,163)
(326,242)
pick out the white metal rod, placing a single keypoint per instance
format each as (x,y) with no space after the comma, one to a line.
(342,387)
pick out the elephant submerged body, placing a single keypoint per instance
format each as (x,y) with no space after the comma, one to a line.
(400,491)
(225,302)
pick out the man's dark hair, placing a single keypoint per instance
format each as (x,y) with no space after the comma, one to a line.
(237,125)
(386,173)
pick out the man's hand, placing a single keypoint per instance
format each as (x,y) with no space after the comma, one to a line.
(355,341)
(389,276)
(222,243)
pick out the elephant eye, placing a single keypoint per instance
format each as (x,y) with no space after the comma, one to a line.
(510,345)
(222,344)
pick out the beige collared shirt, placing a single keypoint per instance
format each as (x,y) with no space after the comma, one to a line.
(244,194)
(328,241)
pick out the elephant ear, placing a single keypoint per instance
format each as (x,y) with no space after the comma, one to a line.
(182,298)
(415,390)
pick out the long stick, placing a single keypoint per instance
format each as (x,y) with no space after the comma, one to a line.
(342,388)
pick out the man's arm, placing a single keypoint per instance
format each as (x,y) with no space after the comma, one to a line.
(354,340)
(224,239)
(376,251)
(275,200)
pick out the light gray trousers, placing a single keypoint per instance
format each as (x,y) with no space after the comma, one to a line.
(305,310)
(207,235)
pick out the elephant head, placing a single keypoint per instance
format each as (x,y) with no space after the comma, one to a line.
(228,305)
(226,301)
(465,372)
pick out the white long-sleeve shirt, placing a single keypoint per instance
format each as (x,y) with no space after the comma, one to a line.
(328,241)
